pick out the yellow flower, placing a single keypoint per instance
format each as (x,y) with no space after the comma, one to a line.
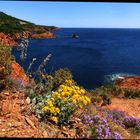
(80,106)
(85,102)
(52,99)
(56,93)
(87,99)
(65,99)
(69,82)
(77,88)
(74,91)
(57,110)
(82,91)
(54,119)
(63,93)
(78,91)
(62,86)
(73,87)
(74,101)
(58,96)
(50,103)
(46,108)
(59,90)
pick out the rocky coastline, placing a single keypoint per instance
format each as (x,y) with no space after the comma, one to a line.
(11,39)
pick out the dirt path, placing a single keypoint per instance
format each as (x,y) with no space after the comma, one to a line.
(130,106)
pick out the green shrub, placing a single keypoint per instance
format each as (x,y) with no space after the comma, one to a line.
(61,75)
(101,95)
(131,93)
(5,59)
(5,62)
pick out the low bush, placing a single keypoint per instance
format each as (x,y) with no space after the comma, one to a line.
(101,95)
(5,65)
(129,93)
(66,99)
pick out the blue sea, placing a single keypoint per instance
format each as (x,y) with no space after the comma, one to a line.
(96,57)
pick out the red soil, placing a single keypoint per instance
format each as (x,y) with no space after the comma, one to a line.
(130,106)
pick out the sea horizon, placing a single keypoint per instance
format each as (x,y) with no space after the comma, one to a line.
(98,28)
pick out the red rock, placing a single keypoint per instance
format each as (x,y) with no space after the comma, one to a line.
(25,34)
(43,35)
(132,82)
(6,40)
(18,73)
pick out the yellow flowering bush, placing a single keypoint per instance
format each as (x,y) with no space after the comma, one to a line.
(67,98)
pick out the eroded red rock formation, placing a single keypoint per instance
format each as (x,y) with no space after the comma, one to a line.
(10,39)
(6,40)
(18,74)
(26,34)
(132,82)
(43,35)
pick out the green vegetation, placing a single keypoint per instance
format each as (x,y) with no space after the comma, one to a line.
(104,94)
(55,97)
(5,64)
(9,24)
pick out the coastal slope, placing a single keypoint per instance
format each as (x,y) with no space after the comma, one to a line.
(12,28)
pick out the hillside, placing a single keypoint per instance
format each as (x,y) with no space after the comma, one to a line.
(9,24)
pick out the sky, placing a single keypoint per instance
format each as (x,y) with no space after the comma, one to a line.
(75,14)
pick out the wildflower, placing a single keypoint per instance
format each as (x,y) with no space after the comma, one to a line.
(34,59)
(80,106)
(65,99)
(85,102)
(63,93)
(52,99)
(57,110)
(82,91)
(50,103)
(74,101)
(117,136)
(52,110)
(46,108)
(59,90)
(54,119)
(47,58)
(87,99)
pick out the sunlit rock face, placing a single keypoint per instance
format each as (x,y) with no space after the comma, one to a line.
(131,82)
(6,40)
(18,74)
(43,35)
(25,34)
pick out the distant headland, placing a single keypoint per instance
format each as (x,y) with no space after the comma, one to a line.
(12,28)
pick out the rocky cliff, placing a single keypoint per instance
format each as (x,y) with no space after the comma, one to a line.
(12,28)
(131,82)
(6,40)
(10,39)
(18,74)
(43,35)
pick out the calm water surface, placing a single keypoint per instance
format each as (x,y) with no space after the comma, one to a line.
(93,58)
